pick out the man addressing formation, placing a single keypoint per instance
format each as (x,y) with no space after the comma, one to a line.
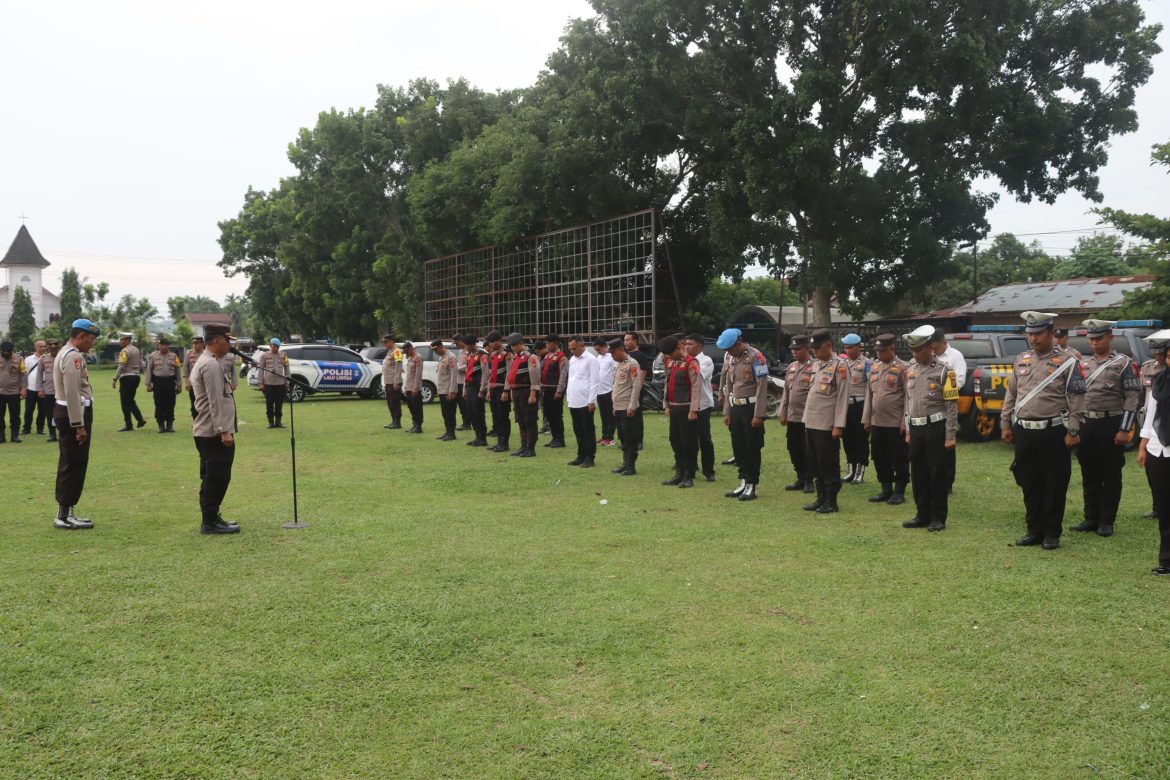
(214,429)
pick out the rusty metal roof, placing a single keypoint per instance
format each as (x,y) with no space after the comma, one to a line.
(1065,295)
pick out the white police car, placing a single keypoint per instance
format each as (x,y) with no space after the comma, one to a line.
(328,368)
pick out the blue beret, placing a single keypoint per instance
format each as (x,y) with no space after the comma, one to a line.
(275,342)
(728,338)
(89,326)
(851,340)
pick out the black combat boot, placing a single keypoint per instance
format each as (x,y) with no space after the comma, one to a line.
(849,474)
(677,478)
(830,504)
(170,426)
(688,480)
(887,492)
(162,427)
(16,436)
(814,506)
(749,493)
(53,434)
(809,487)
(797,485)
(899,494)
(859,474)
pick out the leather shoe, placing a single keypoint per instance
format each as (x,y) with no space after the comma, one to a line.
(1161,571)
(219,527)
(618,470)
(809,487)
(556,444)
(1085,526)
(477,443)
(728,462)
(936,526)
(686,483)
(587,463)
(1050,543)
(576,462)
(1105,530)
(896,499)
(915,523)
(527,452)
(797,485)
(125,428)
(1027,541)
(710,475)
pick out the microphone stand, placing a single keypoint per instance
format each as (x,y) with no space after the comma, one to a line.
(292,422)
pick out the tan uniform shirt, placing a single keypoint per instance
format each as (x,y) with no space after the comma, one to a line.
(189,363)
(228,362)
(447,374)
(13,375)
(163,366)
(745,376)
(1150,369)
(215,407)
(129,362)
(927,388)
(393,367)
(828,400)
(461,366)
(45,374)
(413,381)
(1111,384)
(798,381)
(277,365)
(71,378)
(885,394)
(1031,369)
(627,385)
(857,377)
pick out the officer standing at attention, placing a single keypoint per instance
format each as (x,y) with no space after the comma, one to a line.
(1062,342)
(954,360)
(446,387)
(189,364)
(392,371)
(856,439)
(1154,450)
(798,381)
(47,395)
(694,348)
(627,407)
(540,349)
(1041,418)
(13,388)
(522,388)
(554,379)
(73,416)
(472,397)
(581,397)
(493,391)
(460,379)
(412,386)
(931,415)
(824,421)
(129,373)
(1109,408)
(681,403)
(32,404)
(605,368)
(164,376)
(745,406)
(1150,369)
(214,429)
(273,379)
(884,419)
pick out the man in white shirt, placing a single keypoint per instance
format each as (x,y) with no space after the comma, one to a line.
(1154,449)
(695,344)
(605,368)
(581,396)
(954,360)
(31,401)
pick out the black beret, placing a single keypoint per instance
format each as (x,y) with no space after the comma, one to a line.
(800,340)
(820,336)
(514,339)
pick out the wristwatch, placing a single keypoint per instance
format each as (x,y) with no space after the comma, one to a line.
(1074,431)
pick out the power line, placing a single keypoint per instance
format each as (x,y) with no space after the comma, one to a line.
(62,253)
(1057,232)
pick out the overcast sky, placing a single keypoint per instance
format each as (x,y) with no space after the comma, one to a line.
(130,129)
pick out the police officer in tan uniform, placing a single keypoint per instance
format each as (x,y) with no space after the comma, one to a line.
(1062,342)
(73,416)
(272,377)
(931,418)
(745,407)
(447,380)
(412,386)
(1150,369)
(883,416)
(627,405)
(214,429)
(477,362)
(126,379)
(462,351)
(47,394)
(798,381)
(1041,418)
(393,369)
(856,438)
(1109,407)
(189,359)
(164,376)
(13,388)
(824,421)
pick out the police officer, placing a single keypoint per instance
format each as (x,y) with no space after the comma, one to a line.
(694,347)
(392,372)
(856,439)
(554,378)
(47,394)
(13,388)
(1041,418)
(522,389)
(627,406)
(493,391)
(129,374)
(745,406)
(273,379)
(412,386)
(824,421)
(214,429)
(884,419)
(1062,342)
(477,362)
(798,380)
(164,376)
(447,387)
(954,360)
(1109,407)
(681,403)
(73,416)
(189,359)
(931,417)
(460,379)
(1150,369)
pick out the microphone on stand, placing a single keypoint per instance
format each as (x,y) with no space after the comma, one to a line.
(247,360)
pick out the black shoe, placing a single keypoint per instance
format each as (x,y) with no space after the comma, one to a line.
(271,425)
(1105,530)
(518,453)
(279,424)
(1050,543)
(936,525)
(171,427)
(738,491)
(576,462)
(219,527)
(896,498)
(556,444)
(1150,516)
(394,426)
(710,475)
(163,429)
(677,478)
(543,431)
(914,522)
(749,493)
(464,427)
(1162,570)
(814,506)
(797,485)
(16,438)
(629,472)
(587,463)
(686,482)
(126,427)
(829,507)
(1083,527)
(527,452)
(619,470)
(53,435)
(885,495)
(477,443)
(1028,541)
(26,430)
(809,487)
(729,462)
(848,477)
(499,447)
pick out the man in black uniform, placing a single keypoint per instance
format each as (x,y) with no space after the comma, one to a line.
(522,388)
(554,378)
(73,417)
(472,382)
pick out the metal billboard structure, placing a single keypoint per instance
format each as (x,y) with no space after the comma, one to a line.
(591,280)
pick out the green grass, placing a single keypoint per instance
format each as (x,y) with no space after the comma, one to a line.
(452,613)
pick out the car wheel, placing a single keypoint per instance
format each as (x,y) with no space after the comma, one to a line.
(377,390)
(428,392)
(773,403)
(296,393)
(980,425)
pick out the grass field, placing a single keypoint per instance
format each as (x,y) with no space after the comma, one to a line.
(454,613)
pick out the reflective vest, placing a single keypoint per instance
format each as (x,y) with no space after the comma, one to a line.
(678,381)
(518,372)
(550,372)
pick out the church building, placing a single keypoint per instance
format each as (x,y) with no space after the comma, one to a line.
(23,265)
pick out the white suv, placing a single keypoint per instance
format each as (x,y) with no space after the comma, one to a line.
(430,376)
(327,368)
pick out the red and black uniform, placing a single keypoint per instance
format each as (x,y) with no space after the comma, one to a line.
(553,380)
(501,409)
(472,381)
(682,398)
(524,367)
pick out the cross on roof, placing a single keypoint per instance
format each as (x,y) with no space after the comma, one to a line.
(23,218)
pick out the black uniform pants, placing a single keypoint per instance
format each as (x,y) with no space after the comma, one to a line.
(605,407)
(855,438)
(798,450)
(584,432)
(10,405)
(394,403)
(630,428)
(526,416)
(461,401)
(684,440)
(32,403)
(554,413)
(1101,464)
(1043,466)
(72,458)
(475,409)
(890,456)
(45,408)
(824,458)
(501,413)
(447,407)
(191,396)
(215,474)
(747,442)
(274,402)
(414,402)
(928,471)
(164,399)
(706,444)
(127,389)
(1158,471)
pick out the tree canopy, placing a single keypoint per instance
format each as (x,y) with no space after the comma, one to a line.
(22,323)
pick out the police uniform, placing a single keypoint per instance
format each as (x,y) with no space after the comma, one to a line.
(460,378)
(1150,369)
(164,375)
(273,378)
(189,365)
(627,407)
(680,401)
(447,384)
(215,416)
(1109,407)
(472,395)
(393,369)
(13,387)
(523,388)
(825,412)
(931,417)
(47,394)
(884,414)
(798,381)
(1039,409)
(126,379)
(554,378)
(498,364)
(1062,333)
(412,388)
(745,407)
(72,413)
(855,439)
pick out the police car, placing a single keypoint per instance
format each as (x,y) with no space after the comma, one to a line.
(328,368)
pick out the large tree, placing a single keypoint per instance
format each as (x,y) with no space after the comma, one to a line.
(70,299)
(180,305)
(22,323)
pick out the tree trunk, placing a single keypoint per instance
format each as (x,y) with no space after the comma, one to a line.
(821,296)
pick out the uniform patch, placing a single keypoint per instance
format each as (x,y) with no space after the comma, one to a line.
(633,370)
(77,362)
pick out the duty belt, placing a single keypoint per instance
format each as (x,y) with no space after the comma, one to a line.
(918,422)
(856,399)
(1039,425)
(1102,415)
(743,401)
(84,402)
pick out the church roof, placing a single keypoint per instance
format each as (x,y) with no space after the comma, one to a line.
(24,252)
